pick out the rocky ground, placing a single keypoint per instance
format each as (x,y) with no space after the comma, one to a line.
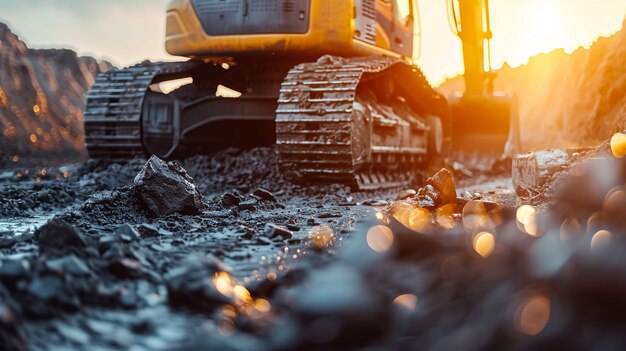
(241,259)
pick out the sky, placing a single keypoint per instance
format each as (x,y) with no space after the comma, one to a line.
(129,31)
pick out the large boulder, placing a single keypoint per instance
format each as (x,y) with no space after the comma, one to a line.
(164,188)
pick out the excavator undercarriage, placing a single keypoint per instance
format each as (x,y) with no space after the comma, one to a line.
(367,122)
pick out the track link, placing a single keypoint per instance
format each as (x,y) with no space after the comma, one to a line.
(114,106)
(317,130)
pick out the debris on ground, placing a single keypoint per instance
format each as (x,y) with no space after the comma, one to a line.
(164,188)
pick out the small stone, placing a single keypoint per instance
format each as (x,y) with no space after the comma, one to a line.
(263,241)
(443,182)
(166,188)
(70,265)
(148,230)
(273,231)
(425,201)
(124,267)
(105,243)
(432,193)
(375,203)
(293,227)
(46,288)
(57,235)
(405,194)
(230,199)
(14,269)
(249,205)
(264,195)
(127,233)
(328,215)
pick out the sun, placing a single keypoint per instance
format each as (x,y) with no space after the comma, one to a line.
(545,18)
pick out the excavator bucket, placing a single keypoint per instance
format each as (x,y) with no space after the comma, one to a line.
(485,126)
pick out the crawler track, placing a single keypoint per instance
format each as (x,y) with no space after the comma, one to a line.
(323,134)
(114,107)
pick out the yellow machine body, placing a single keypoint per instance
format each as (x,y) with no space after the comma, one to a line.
(334,27)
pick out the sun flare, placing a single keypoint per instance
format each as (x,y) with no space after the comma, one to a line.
(545,18)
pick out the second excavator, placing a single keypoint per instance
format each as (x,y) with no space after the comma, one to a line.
(332,83)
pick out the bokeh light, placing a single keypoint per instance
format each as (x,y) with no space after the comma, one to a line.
(481,215)
(408,301)
(618,145)
(401,211)
(526,217)
(445,216)
(420,220)
(223,284)
(600,239)
(380,238)
(321,236)
(533,315)
(484,243)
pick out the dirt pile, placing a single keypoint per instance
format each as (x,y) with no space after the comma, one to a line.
(568,100)
(42,94)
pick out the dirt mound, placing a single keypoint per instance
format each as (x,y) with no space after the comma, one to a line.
(42,94)
(565,99)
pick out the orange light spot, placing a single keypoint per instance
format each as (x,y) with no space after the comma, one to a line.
(526,219)
(445,216)
(533,315)
(618,145)
(380,238)
(408,301)
(36,109)
(33,138)
(484,243)
(223,284)
(420,220)
(401,211)
(321,236)
(262,305)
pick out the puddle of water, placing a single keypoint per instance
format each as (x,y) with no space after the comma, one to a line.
(24,224)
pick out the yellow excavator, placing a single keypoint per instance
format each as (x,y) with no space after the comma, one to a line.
(332,83)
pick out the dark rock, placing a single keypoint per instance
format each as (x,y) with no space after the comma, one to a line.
(69,265)
(57,235)
(375,203)
(249,205)
(263,241)
(124,267)
(230,199)
(264,195)
(273,231)
(148,230)
(46,288)
(293,227)
(127,233)
(14,269)
(166,188)
(328,215)
(105,243)
(443,182)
